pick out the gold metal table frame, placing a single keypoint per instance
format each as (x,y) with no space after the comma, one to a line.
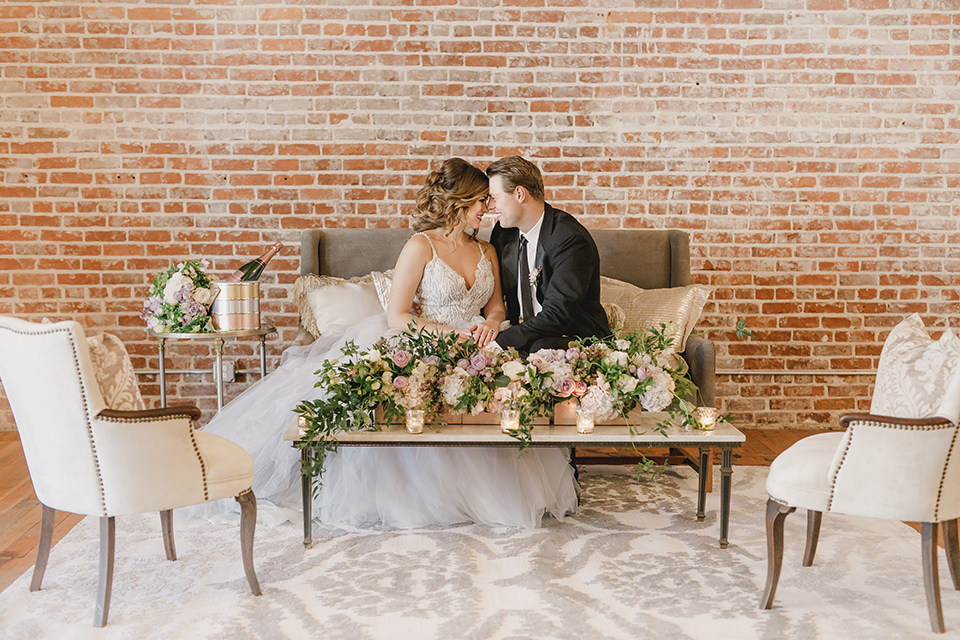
(218,337)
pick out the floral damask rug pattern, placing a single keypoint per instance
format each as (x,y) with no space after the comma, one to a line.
(633,563)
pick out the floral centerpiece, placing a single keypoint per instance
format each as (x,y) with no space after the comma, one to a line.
(435,372)
(180,299)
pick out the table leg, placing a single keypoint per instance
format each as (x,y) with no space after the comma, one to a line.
(726,485)
(702,484)
(263,356)
(163,374)
(307,494)
(218,374)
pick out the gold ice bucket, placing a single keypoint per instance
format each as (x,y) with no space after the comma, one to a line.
(236,305)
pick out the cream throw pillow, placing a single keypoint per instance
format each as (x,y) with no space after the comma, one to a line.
(115,376)
(329,304)
(677,307)
(918,377)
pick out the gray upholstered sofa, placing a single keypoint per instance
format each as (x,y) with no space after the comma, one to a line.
(650,259)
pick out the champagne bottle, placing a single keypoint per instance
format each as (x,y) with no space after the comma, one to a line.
(251,271)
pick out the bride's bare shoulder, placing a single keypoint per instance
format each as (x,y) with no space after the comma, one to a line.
(487,248)
(417,249)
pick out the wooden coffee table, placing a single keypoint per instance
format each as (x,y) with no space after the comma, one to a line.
(725,437)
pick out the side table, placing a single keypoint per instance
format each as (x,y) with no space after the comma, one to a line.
(218,337)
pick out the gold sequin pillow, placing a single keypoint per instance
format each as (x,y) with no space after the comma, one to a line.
(677,307)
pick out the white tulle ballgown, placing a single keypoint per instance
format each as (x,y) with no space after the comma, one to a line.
(398,487)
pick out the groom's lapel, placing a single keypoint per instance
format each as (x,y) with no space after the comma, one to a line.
(508,267)
(544,245)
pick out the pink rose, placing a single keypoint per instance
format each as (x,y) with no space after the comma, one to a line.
(478,361)
(566,387)
(644,372)
(402,358)
(463,363)
(401,383)
(573,353)
(579,388)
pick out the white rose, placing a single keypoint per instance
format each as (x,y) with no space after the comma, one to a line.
(173,287)
(513,369)
(628,384)
(202,295)
(616,357)
(387,377)
(623,345)
(372,356)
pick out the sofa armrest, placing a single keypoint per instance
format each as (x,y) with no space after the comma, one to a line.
(701,357)
(303,338)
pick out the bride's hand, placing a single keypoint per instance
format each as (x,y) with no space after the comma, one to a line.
(485,332)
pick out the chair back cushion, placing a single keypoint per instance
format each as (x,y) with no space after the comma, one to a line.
(897,471)
(49,382)
(918,377)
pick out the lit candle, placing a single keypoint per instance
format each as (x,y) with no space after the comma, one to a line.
(707,417)
(415,420)
(509,420)
(584,420)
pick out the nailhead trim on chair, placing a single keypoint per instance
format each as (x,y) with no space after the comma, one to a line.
(135,420)
(833,480)
(83,393)
(943,476)
(203,466)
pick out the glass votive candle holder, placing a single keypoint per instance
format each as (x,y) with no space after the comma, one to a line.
(509,420)
(585,419)
(707,417)
(302,425)
(415,420)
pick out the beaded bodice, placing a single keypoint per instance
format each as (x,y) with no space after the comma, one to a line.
(444,295)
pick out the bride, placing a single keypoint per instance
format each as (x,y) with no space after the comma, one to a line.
(455,278)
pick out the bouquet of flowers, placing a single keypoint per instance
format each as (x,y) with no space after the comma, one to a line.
(622,373)
(436,372)
(180,299)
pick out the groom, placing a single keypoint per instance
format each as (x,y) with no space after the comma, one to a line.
(549,265)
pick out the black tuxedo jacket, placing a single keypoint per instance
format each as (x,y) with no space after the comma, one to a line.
(568,283)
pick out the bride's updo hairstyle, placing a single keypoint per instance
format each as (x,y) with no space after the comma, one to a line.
(444,199)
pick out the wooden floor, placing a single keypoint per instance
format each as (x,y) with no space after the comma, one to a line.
(20,511)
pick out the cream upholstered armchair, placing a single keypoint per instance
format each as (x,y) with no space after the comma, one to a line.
(883,466)
(86,458)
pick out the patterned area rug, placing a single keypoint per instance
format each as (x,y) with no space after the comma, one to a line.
(634,563)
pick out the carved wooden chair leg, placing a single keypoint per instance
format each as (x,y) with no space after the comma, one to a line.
(248,524)
(813,536)
(952,546)
(108,536)
(776,514)
(47,516)
(166,526)
(931,575)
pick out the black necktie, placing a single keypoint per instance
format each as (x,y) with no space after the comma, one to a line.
(526,296)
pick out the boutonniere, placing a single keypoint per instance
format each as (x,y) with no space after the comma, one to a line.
(535,275)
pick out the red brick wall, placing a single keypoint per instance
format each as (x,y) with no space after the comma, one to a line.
(811,150)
